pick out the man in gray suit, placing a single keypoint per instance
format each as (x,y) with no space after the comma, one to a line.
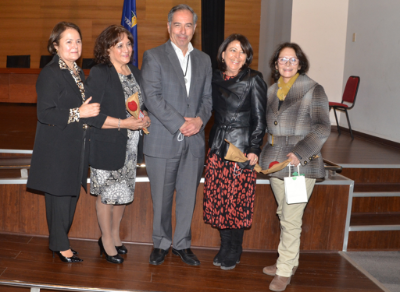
(177,86)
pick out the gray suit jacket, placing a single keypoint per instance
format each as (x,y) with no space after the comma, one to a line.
(301,126)
(167,102)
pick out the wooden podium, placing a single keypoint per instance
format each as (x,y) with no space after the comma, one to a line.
(18,85)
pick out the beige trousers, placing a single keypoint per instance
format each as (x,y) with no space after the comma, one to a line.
(291,219)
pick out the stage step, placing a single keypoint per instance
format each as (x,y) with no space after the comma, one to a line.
(376,187)
(20,164)
(375,228)
(365,219)
(377,221)
(359,222)
(15,163)
(375,194)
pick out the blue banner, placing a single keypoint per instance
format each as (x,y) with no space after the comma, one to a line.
(129,21)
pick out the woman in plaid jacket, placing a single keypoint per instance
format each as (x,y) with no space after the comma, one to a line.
(298,125)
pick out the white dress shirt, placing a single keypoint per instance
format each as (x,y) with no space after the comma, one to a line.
(183,61)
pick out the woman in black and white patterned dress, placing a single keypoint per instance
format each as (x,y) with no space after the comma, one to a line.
(115,139)
(116,187)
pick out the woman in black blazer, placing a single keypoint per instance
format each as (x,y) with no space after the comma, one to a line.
(114,141)
(60,156)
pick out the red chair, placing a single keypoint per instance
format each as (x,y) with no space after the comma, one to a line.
(349,96)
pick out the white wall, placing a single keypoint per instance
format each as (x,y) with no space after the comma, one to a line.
(324,29)
(320,27)
(375,57)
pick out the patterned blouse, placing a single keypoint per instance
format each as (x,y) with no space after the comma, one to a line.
(74,112)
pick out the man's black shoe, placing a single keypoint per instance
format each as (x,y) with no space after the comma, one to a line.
(187,256)
(157,256)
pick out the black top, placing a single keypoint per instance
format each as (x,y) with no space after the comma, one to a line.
(239,106)
(57,155)
(108,146)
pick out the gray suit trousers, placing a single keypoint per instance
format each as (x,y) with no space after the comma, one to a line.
(181,173)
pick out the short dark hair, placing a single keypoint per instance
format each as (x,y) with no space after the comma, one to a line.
(245,45)
(107,39)
(181,7)
(56,33)
(303,61)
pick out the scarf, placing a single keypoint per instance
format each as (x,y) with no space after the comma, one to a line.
(285,87)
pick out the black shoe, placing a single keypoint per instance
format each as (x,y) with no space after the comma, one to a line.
(226,237)
(233,257)
(74,251)
(121,249)
(73,259)
(115,259)
(157,256)
(187,256)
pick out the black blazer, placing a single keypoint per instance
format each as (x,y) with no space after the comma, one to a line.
(108,146)
(57,154)
(239,106)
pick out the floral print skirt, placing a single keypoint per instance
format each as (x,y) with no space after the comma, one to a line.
(117,187)
(228,194)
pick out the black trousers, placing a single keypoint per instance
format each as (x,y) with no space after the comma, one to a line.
(60,214)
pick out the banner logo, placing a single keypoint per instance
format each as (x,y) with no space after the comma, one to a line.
(134,19)
(131,22)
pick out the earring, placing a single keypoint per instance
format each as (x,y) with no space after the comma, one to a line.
(276,71)
(223,60)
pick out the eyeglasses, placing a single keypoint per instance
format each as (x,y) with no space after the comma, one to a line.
(284,60)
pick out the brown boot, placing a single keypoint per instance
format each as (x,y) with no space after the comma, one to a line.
(271,270)
(279,283)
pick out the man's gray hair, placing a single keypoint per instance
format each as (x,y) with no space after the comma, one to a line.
(181,7)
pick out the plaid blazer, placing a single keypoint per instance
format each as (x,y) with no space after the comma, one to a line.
(301,126)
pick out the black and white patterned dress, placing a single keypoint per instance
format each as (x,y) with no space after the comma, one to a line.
(118,186)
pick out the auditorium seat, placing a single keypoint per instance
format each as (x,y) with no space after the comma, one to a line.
(44,60)
(88,63)
(21,61)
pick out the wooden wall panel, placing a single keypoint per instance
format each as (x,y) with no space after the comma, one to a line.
(23,212)
(23,87)
(4,87)
(152,27)
(140,216)
(244,17)
(20,9)
(10,202)
(3,199)
(28,210)
(25,25)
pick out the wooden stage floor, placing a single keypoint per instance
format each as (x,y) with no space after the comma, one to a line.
(28,258)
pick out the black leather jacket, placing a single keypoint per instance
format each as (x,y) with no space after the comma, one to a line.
(239,106)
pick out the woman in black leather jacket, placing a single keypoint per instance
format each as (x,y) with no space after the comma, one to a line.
(239,104)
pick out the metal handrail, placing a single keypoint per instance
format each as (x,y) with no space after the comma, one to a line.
(35,287)
(329,165)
